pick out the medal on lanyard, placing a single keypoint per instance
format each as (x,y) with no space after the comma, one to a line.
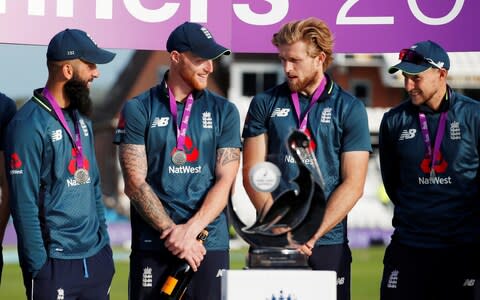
(433,153)
(179,156)
(302,123)
(80,175)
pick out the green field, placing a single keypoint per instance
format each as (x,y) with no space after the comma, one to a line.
(366,274)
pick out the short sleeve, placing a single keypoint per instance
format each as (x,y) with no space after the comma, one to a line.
(256,119)
(230,137)
(356,134)
(132,124)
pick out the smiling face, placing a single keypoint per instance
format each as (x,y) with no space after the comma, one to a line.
(303,71)
(84,71)
(426,88)
(194,70)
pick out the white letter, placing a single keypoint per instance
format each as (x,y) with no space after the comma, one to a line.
(276,14)
(65,8)
(435,21)
(104,9)
(151,15)
(3,6)
(198,11)
(36,7)
(342,18)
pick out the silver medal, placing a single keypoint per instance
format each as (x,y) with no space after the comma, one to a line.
(81,176)
(179,158)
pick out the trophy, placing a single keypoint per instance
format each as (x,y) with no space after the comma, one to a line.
(294,216)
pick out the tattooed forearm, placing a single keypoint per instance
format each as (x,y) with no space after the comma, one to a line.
(150,208)
(226,155)
(133,160)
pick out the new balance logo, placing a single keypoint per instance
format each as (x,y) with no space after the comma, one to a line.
(280,112)
(56,135)
(469,282)
(160,122)
(407,134)
(220,272)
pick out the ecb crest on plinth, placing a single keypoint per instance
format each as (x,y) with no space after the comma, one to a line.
(294,216)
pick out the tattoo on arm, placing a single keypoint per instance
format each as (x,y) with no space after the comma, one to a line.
(226,155)
(133,160)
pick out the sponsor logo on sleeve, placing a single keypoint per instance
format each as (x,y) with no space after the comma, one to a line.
(121,125)
(15,164)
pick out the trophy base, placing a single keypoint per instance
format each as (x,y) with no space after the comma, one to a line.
(276,258)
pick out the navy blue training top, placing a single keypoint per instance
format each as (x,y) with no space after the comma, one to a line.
(53,214)
(337,123)
(214,123)
(443,210)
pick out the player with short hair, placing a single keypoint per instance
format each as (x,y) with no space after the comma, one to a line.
(336,123)
(56,199)
(430,163)
(179,152)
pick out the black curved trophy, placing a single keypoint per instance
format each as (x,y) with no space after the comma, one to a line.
(293,218)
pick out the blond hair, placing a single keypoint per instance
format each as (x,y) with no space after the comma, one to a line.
(312,31)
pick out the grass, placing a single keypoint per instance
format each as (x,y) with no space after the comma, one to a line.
(366,275)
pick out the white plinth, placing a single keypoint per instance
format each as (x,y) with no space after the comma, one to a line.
(274,284)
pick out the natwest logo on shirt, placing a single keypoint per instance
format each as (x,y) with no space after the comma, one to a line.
(439,168)
(121,125)
(15,164)
(184,170)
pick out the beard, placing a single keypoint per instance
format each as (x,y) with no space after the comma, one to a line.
(189,77)
(301,85)
(195,84)
(78,93)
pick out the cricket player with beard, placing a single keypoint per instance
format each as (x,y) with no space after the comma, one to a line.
(56,201)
